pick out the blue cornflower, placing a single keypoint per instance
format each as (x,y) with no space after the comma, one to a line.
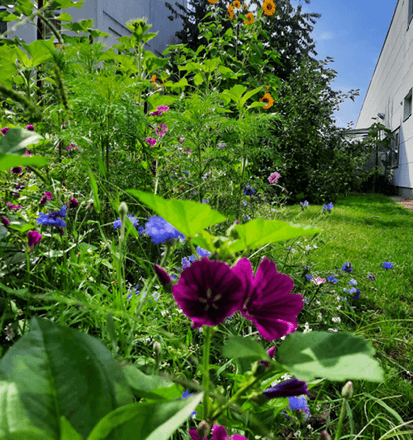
(328,207)
(332,279)
(347,267)
(136,292)
(174,277)
(308,277)
(357,295)
(185,263)
(351,291)
(202,252)
(53,218)
(371,277)
(388,266)
(117,223)
(205,201)
(160,230)
(352,283)
(248,191)
(304,205)
(186,172)
(299,404)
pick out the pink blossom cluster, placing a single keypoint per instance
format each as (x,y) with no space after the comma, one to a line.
(160,110)
(274,177)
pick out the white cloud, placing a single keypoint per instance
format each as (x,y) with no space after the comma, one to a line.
(325,36)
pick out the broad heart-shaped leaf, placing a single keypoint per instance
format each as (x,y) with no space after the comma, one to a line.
(144,385)
(237,347)
(64,4)
(67,432)
(16,140)
(14,421)
(39,50)
(259,232)
(145,421)
(249,94)
(8,161)
(156,100)
(186,216)
(332,356)
(59,371)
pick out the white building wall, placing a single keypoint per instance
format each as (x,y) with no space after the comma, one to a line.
(111,15)
(391,82)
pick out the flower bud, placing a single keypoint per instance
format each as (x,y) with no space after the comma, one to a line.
(348,390)
(123,210)
(203,429)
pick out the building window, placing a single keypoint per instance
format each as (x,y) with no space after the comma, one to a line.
(56,23)
(393,154)
(3,24)
(407,106)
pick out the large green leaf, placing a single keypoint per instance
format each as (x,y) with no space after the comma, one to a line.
(59,371)
(14,421)
(8,161)
(333,356)
(16,140)
(237,347)
(145,421)
(259,232)
(39,50)
(186,216)
(150,387)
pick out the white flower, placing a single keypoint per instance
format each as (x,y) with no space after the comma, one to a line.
(337,319)
(320,317)
(308,248)
(291,249)
(297,434)
(315,247)
(307,328)
(317,302)
(333,330)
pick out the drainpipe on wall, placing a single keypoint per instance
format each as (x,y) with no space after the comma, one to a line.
(39,37)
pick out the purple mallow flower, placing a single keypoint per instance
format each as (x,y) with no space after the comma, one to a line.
(388,266)
(13,207)
(33,238)
(160,230)
(5,221)
(4,130)
(271,353)
(218,433)
(45,197)
(53,218)
(16,170)
(289,388)
(208,292)
(30,127)
(267,301)
(73,203)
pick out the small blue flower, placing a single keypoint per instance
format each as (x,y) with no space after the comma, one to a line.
(299,404)
(117,223)
(185,263)
(174,277)
(330,206)
(248,191)
(352,283)
(308,277)
(184,396)
(332,279)
(160,230)
(388,266)
(244,203)
(203,252)
(186,172)
(156,296)
(53,218)
(357,295)
(347,267)
(205,201)
(136,292)
(350,291)
(191,258)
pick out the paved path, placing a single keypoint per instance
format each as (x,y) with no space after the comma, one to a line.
(407,203)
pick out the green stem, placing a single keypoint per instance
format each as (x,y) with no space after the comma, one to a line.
(341,420)
(205,370)
(26,314)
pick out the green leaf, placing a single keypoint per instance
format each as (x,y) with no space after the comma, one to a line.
(17,140)
(11,17)
(144,385)
(64,17)
(249,94)
(332,356)
(64,4)
(14,421)
(67,432)
(147,421)
(60,371)
(237,347)
(8,161)
(259,232)
(198,79)
(94,185)
(257,104)
(237,91)
(157,100)
(39,50)
(25,7)
(186,216)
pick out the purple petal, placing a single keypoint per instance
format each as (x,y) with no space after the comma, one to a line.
(219,433)
(289,388)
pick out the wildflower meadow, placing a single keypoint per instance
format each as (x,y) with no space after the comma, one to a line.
(158,278)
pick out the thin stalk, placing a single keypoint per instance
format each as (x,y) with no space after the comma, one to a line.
(205,370)
(341,420)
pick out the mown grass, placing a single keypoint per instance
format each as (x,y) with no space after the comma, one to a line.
(368,230)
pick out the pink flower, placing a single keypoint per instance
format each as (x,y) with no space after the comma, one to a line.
(30,127)
(73,203)
(16,170)
(4,130)
(13,207)
(162,108)
(208,292)
(267,300)
(318,281)
(33,238)
(150,141)
(45,197)
(274,177)
(218,433)
(28,153)
(271,353)
(5,221)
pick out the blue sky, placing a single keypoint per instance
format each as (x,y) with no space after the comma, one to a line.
(352,32)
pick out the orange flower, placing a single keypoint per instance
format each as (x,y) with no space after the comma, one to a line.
(212,1)
(267,87)
(250,17)
(231,11)
(237,4)
(245,7)
(269,7)
(268,99)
